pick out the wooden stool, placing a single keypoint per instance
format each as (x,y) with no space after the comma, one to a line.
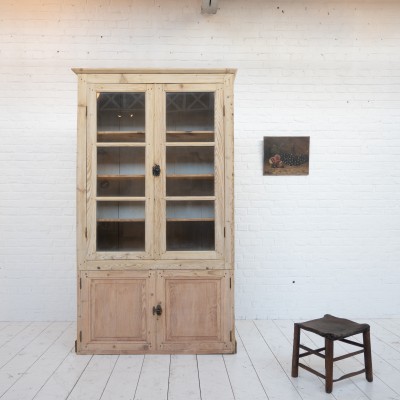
(332,328)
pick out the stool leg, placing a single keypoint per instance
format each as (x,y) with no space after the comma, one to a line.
(296,351)
(328,365)
(367,356)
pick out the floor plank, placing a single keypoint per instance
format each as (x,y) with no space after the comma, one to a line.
(276,383)
(18,365)
(61,383)
(153,380)
(214,380)
(184,378)
(22,339)
(94,378)
(124,378)
(8,330)
(281,346)
(33,379)
(242,375)
(37,361)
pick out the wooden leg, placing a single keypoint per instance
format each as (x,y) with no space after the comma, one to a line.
(296,351)
(367,356)
(328,365)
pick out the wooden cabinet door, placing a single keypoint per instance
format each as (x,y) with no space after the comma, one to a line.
(189,193)
(116,312)
(119,179)
(197,312)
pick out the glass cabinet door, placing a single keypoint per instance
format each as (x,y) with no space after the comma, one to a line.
(119,200)
(193,161)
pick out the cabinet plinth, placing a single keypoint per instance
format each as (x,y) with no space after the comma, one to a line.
(155,226)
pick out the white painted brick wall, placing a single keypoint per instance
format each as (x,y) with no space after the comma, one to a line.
(328,242)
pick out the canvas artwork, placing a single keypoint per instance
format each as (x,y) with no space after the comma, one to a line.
(286,155)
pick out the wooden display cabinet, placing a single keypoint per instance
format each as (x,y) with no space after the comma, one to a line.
(155,211)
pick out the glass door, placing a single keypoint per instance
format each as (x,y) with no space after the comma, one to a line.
(120,194)
(191,198)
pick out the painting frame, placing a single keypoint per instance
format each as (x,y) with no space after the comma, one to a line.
(286,155)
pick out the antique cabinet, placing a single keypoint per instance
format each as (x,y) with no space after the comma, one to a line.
(155,226)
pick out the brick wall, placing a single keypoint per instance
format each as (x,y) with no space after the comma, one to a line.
(327,242)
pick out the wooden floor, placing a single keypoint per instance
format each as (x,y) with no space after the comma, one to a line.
(37,361)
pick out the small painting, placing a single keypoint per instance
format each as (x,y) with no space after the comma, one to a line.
(286,155)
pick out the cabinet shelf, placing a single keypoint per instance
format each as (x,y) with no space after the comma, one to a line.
(190,198)
(120,177)
(191,176)
(119,198)
(190,144)
(190,219)
(190,136)
(121,136)
(120,144)
(189,132)
(136,133)
(120,220)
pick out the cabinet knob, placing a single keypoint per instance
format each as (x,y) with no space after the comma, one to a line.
(157,310)
(156,170)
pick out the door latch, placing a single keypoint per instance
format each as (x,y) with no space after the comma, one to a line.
(156,170)
(157,310)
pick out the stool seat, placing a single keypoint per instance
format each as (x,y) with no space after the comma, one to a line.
(333,328)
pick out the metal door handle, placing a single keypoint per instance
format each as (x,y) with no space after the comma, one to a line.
(157,310)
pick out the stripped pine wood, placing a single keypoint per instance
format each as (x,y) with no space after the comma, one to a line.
(204,132)
(184,378)
(44,366)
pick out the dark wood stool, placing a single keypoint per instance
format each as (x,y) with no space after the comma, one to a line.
(332,328)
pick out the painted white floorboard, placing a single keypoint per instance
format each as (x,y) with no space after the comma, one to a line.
(214,381)
(153,381)
(390,341)
(93,380)
(183,378)
(22,339)
(273,378)
(18,365)
(242,375)
(8,330)
(34,378)
(124,378)
(38,362)
(60,384)
(3,324)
